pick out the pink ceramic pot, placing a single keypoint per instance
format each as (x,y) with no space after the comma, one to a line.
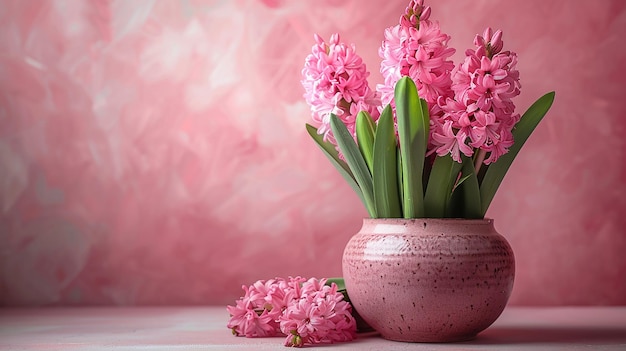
(428,280)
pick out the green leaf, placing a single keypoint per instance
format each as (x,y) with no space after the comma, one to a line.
(400,180)
(463,178)
(443,176)
(425,128)
(355,161)
(365,131)
(341,286)
(339,281)
(329,149)
(465,202)
(497,170)
(385,177)
(333,156)
(412,118)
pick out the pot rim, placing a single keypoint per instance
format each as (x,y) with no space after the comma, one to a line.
(466,221)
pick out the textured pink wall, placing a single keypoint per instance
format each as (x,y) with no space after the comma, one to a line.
(154,152)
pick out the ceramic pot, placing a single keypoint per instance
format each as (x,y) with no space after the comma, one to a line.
(428,280)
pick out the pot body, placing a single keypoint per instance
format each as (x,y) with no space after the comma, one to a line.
(428,280)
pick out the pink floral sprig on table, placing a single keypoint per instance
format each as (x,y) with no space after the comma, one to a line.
(319,316)
(257,313)
(306,311)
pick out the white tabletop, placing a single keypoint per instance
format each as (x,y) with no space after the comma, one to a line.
(204,328)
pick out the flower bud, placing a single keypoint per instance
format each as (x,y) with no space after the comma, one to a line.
(425,14)
(487,34)
(496,43)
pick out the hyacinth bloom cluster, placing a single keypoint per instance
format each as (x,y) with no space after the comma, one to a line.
(335,81)
(417,48)
(306,311)
(257,313)
(482,113)
(319,316)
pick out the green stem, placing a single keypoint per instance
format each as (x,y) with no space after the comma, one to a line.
(480,157)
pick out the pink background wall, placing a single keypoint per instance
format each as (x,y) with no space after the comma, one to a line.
(154,152)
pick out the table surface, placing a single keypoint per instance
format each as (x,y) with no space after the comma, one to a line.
(204,328)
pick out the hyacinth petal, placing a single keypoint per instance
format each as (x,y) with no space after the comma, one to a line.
(487,34)
(425,15)
(318,39)
(499,74)
(479,41)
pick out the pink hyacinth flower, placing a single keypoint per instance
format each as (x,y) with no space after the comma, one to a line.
(249,323)
(319,316)
(414,13)
(417,48)
(257,313)
(481,115)
(334,78)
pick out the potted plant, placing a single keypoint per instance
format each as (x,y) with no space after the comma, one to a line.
(425,153)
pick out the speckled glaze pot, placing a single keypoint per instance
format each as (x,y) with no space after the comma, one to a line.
(428,280)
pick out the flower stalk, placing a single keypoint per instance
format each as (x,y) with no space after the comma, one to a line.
(480,158)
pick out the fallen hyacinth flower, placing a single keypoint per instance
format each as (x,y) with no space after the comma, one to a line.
(307,312)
